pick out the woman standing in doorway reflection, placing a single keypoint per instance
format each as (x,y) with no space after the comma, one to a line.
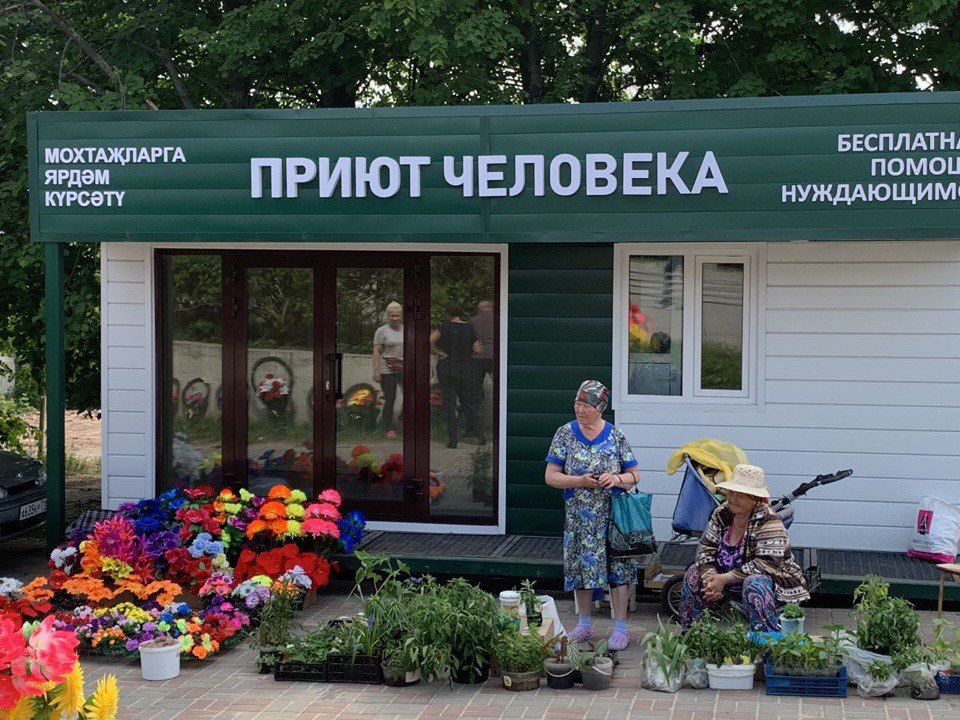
(388,363)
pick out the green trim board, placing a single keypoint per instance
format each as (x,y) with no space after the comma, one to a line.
(846,167)
(54,279)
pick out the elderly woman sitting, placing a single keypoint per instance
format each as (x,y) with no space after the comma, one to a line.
(744,554)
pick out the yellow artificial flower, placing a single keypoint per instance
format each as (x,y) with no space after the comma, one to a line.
(23,710)
(105,701)
(293,528)
(69,701)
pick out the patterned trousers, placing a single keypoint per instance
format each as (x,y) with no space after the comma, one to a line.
(755,594)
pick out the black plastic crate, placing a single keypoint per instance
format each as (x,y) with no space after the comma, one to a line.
(305,672)
(361,669)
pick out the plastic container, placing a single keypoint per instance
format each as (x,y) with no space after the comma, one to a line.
(791,625)
(510,602)
(159,662)
(399,678)
(300,672)
(948,684)
(806,686)
(559,675)
(362,669)
(520,681)
(598,676)
(731,677)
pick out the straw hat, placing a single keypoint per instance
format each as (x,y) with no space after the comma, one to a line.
(747,479)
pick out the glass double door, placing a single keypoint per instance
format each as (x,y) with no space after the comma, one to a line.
(334,349)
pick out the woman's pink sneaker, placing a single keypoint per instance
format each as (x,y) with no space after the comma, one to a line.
(618,641)
(580,634)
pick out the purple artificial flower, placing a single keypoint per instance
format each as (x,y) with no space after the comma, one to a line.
(132,645)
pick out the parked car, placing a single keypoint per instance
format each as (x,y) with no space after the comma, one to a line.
(23,494)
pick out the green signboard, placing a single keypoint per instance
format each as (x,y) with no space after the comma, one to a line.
(801,168)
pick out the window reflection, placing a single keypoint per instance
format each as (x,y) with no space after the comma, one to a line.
(190,375)
(722,327)
(655,325)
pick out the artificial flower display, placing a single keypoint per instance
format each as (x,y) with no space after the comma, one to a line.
(196,565)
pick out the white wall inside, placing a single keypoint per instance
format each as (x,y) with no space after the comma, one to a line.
(861,371)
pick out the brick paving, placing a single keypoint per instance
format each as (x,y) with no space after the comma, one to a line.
(229,688)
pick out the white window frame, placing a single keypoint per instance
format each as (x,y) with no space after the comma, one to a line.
(753,255)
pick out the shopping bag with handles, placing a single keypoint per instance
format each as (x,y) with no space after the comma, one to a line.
(630,530)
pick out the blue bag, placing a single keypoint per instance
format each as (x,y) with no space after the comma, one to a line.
(630,530)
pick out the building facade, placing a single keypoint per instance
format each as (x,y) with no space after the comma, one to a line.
(400,303)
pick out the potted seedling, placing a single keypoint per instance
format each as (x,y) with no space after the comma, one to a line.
(520,657)
(273,632)
(664,659)
(791,619)
(799,665)
(595,666)
(531,604)
(305,657)
(558,668)
(730,654)
(401,665)
(879,679)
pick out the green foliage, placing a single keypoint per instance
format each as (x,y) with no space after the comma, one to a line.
(885,624)
(720,640)
(880,670)
(528,596)
(311,647)
(275,619)
(667,649)
(13,428)
(517,652)
(946,643)
(802,655)
(792,611)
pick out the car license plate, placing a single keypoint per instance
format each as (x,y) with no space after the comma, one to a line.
(31,509)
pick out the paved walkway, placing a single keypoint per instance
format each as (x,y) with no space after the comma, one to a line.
(228,688)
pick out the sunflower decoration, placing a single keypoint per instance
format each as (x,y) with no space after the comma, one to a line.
(70,697)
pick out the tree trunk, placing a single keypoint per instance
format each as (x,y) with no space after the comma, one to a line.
(531,55)
(596,47)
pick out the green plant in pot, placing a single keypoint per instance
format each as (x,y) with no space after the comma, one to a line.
(664,659)
(791,619)
(595,665)
(531,603)
(520,657)
(558,668)
(879,679)
(885,624)
(469,627)
(273,633)
(730,653)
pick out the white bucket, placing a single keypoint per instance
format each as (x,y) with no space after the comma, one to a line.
(510,602)
(159,663)
(731,677)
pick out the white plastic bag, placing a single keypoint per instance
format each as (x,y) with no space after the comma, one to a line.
(937,531)
(870,687)
(696,676)
(857,660)
(653,677)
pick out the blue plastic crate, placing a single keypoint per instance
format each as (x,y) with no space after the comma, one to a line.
(806,686)
(948,684)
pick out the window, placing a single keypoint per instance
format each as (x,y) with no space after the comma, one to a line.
(687,323)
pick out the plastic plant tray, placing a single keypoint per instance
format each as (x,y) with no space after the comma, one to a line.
(806,686)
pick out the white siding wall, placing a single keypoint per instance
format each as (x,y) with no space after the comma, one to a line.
(126,382)
(861,371)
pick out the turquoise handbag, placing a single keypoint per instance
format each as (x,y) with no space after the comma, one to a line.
(630,530)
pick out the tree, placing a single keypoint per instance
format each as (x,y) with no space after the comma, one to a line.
(116,54)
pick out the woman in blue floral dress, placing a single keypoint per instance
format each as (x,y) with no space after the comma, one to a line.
(590,459)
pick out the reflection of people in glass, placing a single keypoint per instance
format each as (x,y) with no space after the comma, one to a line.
(388,362)
(484,327)
(455,343)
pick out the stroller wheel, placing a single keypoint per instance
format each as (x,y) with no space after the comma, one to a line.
(670,597)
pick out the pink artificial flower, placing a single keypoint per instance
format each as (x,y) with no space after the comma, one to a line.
(54,651)
(12,644)
(330,496)
(329,512)
(8,693)
(316,527)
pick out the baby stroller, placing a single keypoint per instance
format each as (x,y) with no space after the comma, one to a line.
(696,503)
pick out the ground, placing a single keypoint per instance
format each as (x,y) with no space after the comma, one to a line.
(227,687)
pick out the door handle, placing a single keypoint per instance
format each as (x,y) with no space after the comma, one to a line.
(336,370)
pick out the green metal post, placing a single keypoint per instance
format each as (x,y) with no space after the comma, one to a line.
(56,400)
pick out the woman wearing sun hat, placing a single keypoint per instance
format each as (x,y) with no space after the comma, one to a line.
(590,459)
(744,554)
